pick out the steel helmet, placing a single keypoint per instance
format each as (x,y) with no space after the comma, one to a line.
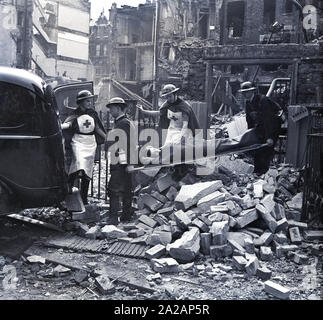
(83,95)
(247,86)
(167,90)
(116,101)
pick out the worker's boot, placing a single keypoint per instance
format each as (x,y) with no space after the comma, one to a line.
(127,213)
(85,183)
(114,209)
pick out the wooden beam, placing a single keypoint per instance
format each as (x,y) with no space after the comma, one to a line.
(244,61)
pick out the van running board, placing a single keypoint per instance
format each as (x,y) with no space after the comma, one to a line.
(119,248)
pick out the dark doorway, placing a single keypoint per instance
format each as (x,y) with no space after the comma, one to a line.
(236,18)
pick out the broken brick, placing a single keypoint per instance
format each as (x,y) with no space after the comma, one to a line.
(300,225)
(144,227)
(266,254)
(252,266)
(258,189)
(112,232)
(182,219)
(248,202)
(165,265)
(277,290)
(159,237)
(246,217)
(206,203)
(313,235)
(219,208)
(150,202)
(201,225)
(190,195)
(166,211)
(206,239)
(161,219)
(220,251)
(295,235)
(234,208)
(156,252)
(144,177)
(232,222)
(278,212)
(187,247)
(219,232)
(236,246)
(104,285)
(293,215)
(205,219)
(300,258)
(267,217)
(148,221)
(159,197)
(172,194)
(264,240)
(268,202)
(93,233)
(143,212)
(249,246)
(280,238)
(296,203)
(215,217)
(239,262)
(165,182)
(136,233)
(264,273)
(282,225)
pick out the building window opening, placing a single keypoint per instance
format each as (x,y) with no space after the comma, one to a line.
(98,50)
(203,25)
(235,18)
(20,18)
(19,46)
(237,69)
(269,12)
(288,6)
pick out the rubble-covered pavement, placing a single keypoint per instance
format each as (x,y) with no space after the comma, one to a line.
(226,236)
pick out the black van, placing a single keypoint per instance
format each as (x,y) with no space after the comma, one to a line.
(32,167)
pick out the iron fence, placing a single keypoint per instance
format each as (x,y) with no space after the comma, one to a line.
(313,173)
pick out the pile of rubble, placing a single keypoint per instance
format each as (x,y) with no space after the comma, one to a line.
(230,216)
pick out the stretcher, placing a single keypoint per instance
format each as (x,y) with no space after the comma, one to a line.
(214,148)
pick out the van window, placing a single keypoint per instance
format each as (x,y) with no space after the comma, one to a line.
(20,111)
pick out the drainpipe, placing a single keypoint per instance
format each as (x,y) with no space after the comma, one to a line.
(155,62)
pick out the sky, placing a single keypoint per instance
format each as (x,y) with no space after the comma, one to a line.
(98,5)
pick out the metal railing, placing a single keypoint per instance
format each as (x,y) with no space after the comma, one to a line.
(313,175)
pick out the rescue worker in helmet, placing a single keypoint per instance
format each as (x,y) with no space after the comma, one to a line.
(120,184)
(87,132)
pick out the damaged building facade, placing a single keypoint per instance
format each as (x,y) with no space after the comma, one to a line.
(15,33)
(185,29)
(181,25)
(46,37)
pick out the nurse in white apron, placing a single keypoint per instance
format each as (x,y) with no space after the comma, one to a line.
(85,127)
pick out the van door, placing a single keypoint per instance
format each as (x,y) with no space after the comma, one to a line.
(66,97)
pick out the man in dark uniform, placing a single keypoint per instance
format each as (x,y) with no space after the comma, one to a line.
(120,184)
(264,115)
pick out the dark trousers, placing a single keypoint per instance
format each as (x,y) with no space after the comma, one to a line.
(262,159)
(120,192)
